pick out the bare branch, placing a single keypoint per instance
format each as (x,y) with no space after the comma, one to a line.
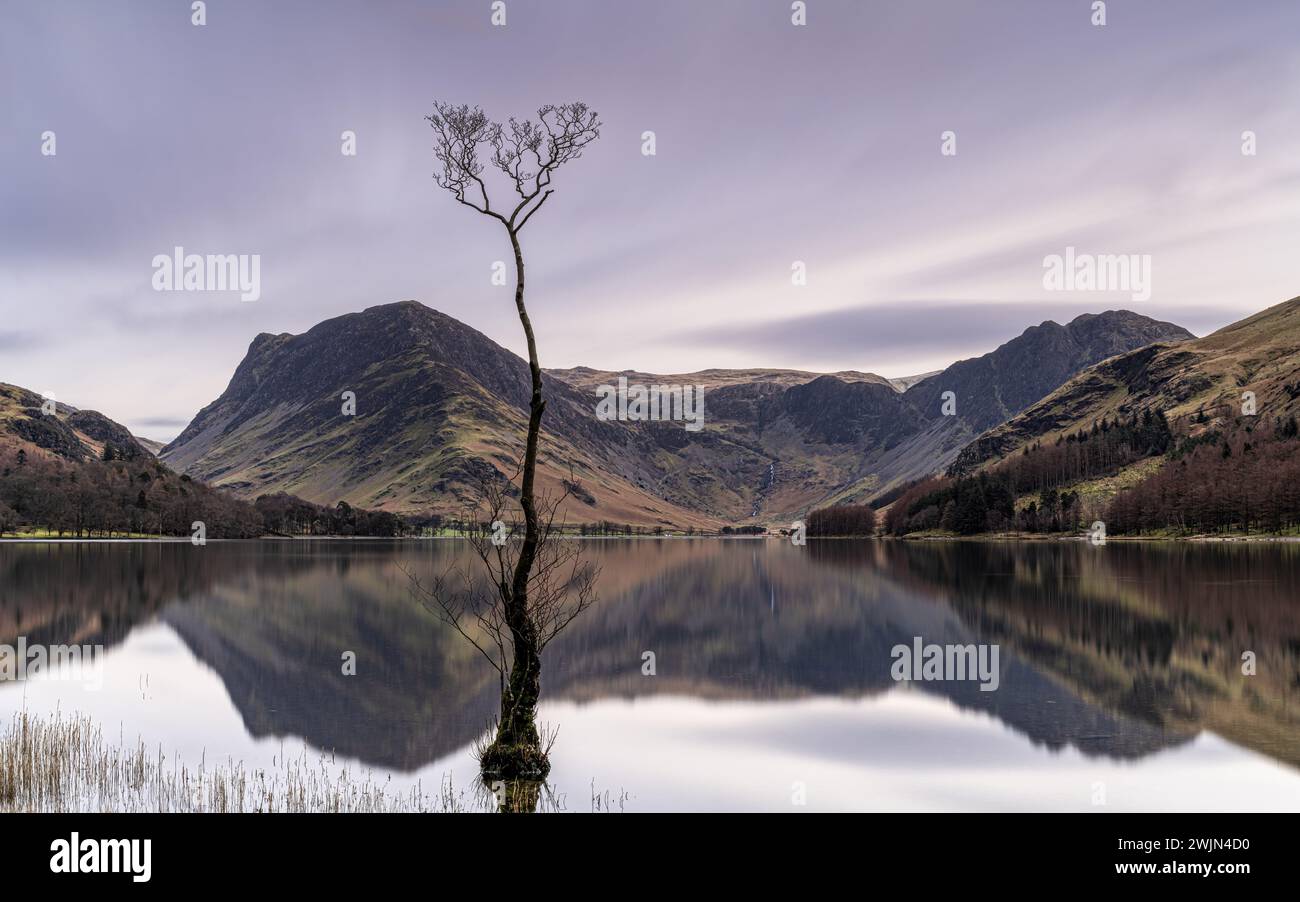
(459,132)
(527,152)
(561,586)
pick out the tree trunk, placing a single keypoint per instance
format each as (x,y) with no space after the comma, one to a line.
(517,751)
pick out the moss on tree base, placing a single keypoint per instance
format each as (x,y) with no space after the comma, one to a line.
(511,761)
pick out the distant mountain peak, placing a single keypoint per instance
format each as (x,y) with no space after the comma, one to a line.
(1182,377)
(995,386)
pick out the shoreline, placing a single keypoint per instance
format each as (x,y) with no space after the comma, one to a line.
(989,537)
(1109,540)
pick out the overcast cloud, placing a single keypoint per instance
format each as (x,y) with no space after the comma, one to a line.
(775,144)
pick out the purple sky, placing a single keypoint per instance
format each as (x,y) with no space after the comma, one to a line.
(775,144)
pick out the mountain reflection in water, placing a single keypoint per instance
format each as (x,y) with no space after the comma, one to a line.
(1111,653)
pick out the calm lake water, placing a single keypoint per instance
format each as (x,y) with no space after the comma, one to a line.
(1120,671)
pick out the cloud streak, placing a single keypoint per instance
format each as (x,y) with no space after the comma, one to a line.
(937,331)
(775,144)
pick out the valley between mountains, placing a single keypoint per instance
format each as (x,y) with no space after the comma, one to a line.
(439,407)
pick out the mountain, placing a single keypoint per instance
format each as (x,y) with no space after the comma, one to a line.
(69,433)
(77,473)
(439,407)
(993,388)
(989,389)
(587,379)
(1202,380)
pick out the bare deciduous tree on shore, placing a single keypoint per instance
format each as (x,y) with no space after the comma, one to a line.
(535,586)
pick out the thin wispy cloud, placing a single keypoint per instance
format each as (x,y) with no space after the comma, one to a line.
(899,338)
(173,422)
(774,145)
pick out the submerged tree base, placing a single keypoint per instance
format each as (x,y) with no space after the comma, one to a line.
(514,761)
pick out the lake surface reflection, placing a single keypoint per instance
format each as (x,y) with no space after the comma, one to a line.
(1120,669)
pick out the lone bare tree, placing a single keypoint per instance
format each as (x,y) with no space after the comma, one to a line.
(535,591)
(512,630)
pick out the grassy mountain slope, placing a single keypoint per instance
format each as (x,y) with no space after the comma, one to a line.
(77,473)
(439,407)
(1195,383)
(69,433)
(996,386)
